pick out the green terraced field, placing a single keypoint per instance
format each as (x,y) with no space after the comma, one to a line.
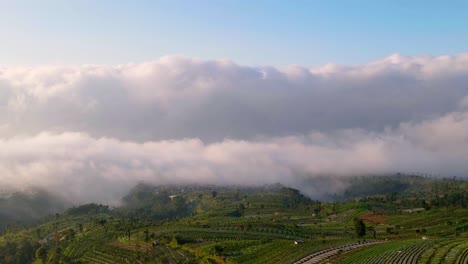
(259,226)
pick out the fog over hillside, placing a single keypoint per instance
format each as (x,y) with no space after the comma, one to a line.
(91,132)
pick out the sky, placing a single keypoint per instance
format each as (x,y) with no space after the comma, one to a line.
(273,32)
(97,96)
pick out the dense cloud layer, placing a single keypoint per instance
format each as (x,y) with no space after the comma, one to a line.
(178,97)
(82,128)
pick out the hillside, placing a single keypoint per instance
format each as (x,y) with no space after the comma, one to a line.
(266,224)
(20,209)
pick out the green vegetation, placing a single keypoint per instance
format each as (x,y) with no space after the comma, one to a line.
(21,209)
(269,224)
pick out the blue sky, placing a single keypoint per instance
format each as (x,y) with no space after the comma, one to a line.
(77,129)
(248,32)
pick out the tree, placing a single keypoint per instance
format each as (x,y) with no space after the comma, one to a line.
(372,229)
(41,253)
(128,227)
(217,250)
(70,234)
(147,238)
(359,227)
(56,256)
(241,208)
(103,223)
(237,194)
(214,194)
(389,230)
(38,232)
(24,252)
(174,243)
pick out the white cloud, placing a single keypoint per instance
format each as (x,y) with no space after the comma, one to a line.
(177,97)
(80,129)
(86,168)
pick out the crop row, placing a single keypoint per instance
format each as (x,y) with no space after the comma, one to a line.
(442,251)
(376,253)
(456,252)
(406,255)
(463,258)
(322,255)
(227,234)
(414,251)
(284,251)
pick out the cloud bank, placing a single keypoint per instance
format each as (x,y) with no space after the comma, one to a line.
(92,131)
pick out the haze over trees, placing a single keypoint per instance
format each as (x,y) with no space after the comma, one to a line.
(242,224)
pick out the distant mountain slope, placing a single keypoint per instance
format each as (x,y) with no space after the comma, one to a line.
(24,208)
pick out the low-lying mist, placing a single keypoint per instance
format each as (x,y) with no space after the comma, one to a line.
(89,133)
(28,206)
(86,169)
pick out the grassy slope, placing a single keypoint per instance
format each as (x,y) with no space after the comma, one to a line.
(264,234)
